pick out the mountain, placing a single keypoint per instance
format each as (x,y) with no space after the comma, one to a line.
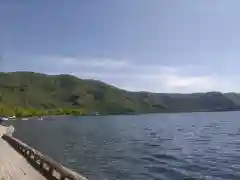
(235,97)
(41,91)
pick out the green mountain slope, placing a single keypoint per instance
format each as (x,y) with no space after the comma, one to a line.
(41,91)
(235,97)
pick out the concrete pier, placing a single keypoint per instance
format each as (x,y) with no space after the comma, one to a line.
(13,166)
(18,161)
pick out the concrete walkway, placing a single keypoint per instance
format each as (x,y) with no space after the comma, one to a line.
(13,166)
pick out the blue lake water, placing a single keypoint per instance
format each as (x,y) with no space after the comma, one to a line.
(145,147)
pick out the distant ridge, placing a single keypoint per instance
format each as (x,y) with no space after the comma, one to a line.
(67,91)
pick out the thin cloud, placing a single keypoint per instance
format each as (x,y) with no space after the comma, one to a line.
(135,76)
(90,62)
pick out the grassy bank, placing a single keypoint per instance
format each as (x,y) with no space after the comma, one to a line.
(32,112)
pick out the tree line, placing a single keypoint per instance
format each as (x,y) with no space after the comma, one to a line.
(30,112)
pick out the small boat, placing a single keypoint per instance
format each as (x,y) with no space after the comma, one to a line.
(24,119)
(12,117)
(3,118)
(40,118)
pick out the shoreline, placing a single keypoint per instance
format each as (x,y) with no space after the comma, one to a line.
(36,117)
(51,117)
(132,114)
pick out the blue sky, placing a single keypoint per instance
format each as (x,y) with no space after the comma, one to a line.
(152,45)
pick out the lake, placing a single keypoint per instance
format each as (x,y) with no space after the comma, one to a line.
(144,147)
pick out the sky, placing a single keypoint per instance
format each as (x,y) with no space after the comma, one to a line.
(175,46)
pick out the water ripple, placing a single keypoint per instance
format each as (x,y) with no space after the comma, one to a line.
(187,146)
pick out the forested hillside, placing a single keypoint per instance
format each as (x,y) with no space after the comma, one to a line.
(34,91)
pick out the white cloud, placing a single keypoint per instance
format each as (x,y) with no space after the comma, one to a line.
(176,83)
(92,62)
(137,76)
